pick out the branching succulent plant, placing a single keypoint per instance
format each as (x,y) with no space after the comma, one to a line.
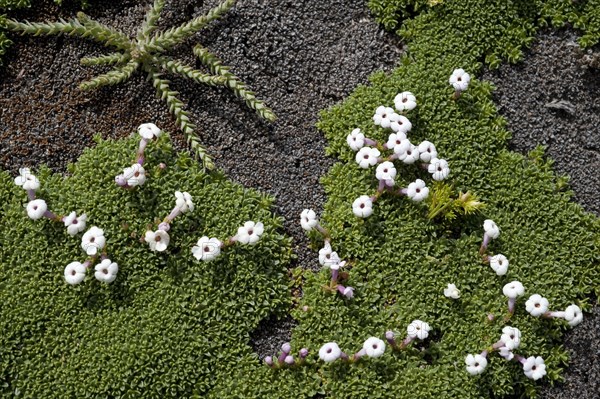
(146,52)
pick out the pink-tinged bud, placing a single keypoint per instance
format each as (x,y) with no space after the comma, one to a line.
(164,226)
(286,348)
(289,360)
(162,165)
(305,308)
(121,180)
(269,361)
(303,353)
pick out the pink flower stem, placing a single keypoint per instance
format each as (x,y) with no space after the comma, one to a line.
(370,142)
(140,152)
(321,230)
(282,357)
(520,359)
(554,314)
(334,276)
(359,354)
(31,195)
(484,244)
(51,216)
(498,345)
(389,336)
(511,305)
(406,342)
(174,213)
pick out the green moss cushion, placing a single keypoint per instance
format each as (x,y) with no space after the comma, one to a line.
(169,325)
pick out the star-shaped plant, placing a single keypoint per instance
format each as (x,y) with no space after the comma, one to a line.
(147,52)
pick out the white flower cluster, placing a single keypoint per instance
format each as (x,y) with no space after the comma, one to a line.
(135,175)
(417,329)
(328,258)
(372,347)
(368,153)
(93,243)
(207,249)
(286,359)
(538,306)
(510,340)
(159,240)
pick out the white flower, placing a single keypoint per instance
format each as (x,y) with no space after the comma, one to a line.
(418,329)
(356,140)
(362,206)
(385,171)
(374,347)
(417,190)
(337,265)
(158,240)
(573,315)
(207,249)
(348,292)
(499,264)
(36,209)
(27,180)
(537,305)
(491,229)
(511,337)
(400,124)
(106,271)
(250,232)
(452,292)
(367,156)
(459,80)
(513,289)
(383,116)
(506,353)
(438,168)
(405,101)
(327,257)
(135,175)
(427,151)
(330,352)
(475,364)
(149,131)
(398,142)
(93,241)
(75,273)
(183,201)
(75,224)
(308,219)
(410,156)
(534,367)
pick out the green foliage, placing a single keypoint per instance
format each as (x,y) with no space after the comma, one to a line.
(168,326)
(147,52)
(444,204)
(583,15)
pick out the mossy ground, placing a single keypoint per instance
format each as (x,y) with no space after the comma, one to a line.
(401,260)
(169,326)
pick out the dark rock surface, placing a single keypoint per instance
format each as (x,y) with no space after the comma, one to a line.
(554,71)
